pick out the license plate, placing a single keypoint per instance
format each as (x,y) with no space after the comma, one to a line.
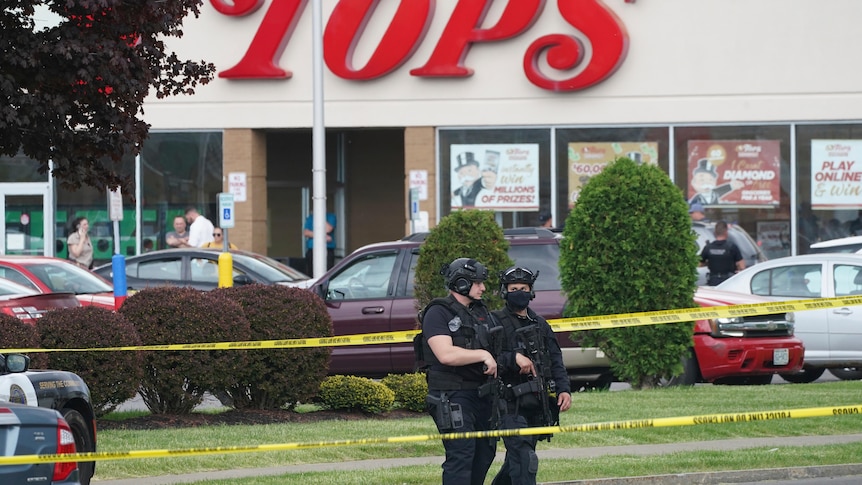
(780,357)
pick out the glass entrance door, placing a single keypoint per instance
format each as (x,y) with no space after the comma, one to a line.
(27,219)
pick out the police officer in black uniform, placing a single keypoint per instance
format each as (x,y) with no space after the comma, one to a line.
(457,345)
(535,382)
(721,256)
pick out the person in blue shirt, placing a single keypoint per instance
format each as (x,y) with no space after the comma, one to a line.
(308,232)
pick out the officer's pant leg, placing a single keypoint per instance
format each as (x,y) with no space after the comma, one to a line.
(467,460)
(523,464)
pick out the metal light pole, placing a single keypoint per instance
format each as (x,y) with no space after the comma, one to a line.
(318,136)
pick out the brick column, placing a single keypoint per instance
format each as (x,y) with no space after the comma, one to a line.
(419,154)
(245,151)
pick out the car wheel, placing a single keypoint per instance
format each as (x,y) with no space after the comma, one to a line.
(806,375)
(690,374)
(603,383)
(83,442)
(847,373)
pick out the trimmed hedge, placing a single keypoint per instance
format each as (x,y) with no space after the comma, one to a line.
(113,377)
(175,381)
(15,334)
(628,247)
(278,378)
(410,390)
(462,234)
(356,393)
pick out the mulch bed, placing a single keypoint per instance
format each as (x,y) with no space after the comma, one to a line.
(245,416)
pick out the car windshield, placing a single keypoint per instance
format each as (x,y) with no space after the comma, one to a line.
(61,276)
(270,269)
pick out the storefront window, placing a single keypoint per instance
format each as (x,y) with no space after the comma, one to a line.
(584,152)
(178,170)
(506,171)
(829,183)
(20,168)
(740,174)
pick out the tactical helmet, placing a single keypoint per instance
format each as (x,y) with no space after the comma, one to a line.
(517,274)
(461,273)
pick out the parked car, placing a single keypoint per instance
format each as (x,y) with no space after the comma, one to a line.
(28,304)
(751,252)
(371,290)
(67,413)
(832,336)
(53,275)
(852,244)
(198,268)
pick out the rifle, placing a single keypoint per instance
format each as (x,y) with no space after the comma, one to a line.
(544,385)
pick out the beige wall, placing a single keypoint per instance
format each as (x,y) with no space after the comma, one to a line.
(419,153)
(245,151)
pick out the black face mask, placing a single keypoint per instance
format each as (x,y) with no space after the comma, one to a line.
(518,300)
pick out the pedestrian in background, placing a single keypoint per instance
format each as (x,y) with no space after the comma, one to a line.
(308,232)
(200,228)
(721,256)
(179,237)
(218,240)
(79,245)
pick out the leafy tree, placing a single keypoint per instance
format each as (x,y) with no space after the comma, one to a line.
(628,247)
(462,234)
(73,93)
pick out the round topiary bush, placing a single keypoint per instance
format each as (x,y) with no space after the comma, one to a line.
(356,393)
(462,234)
(277,378)
(15,334)
(410,389)
(113,377)
(628,246)
(175,381)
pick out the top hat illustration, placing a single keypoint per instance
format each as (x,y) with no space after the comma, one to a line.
(703,166)
(464,159)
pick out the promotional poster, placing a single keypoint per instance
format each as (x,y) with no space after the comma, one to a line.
(499,177)
(740,173)
(836,174)
(589,159)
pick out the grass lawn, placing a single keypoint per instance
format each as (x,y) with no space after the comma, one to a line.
(587,408)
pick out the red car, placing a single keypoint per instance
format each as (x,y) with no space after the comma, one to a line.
(27,305)
(53,275)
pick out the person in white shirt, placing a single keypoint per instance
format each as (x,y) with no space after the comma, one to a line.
(200,228)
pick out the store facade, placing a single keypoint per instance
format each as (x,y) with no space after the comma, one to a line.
(752,108)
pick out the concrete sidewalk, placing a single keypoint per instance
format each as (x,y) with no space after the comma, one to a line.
(655,449)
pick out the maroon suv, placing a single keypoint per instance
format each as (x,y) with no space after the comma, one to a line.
(371,291)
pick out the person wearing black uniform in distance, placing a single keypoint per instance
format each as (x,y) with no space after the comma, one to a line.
(535,382)
(721,256)
(456,346)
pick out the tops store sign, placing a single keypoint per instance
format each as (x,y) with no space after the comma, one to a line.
(594,21)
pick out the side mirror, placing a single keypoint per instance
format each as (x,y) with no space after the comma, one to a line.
(17,363)
(243,279)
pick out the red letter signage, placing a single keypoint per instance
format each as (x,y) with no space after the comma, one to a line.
(592,18)
(401,39)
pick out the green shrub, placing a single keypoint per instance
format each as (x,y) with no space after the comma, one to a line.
(410,389)
(462,234)
(113,377)
(15,334)
(175,381)
(356,393)
(628,247)
(280,377)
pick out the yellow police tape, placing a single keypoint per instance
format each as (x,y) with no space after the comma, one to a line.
(558,325)
(743,417)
